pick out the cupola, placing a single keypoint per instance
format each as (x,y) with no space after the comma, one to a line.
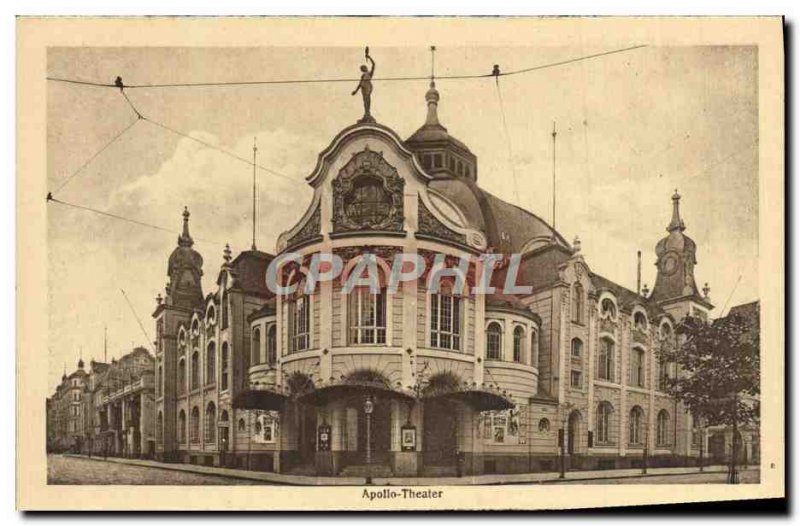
(439,153)
(185,270)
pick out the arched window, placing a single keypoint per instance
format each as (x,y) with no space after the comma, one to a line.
(182,376)
(195,369)
(255,347)
(242,425)
(607,308)
(494,341)
(635,423)
(640,321)
(535,348)
(211,422)
(182,427)
(662,428)
(603,423)
(160,428)
(605,360)
(368,203)
(366,314)
(224,367)
(663,375)
(544,425)
(577,303)
(159,376)
(224,302)
(637,367)
(299,323)
(272,345)
(519,341)
(576,347)
(446,319)
(194,425)
(211,363)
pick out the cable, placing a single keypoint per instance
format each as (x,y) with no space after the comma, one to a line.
(93,157)
(508,143)
(50,198)
(226,152)
(318,81)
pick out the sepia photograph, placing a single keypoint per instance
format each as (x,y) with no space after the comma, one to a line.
(403,271)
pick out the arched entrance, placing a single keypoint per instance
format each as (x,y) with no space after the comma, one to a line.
(716,448)
(573,432)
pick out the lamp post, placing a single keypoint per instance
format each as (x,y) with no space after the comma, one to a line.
(562,438)
(368,407)
(645,451)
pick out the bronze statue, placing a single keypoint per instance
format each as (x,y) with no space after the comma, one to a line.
(365,85)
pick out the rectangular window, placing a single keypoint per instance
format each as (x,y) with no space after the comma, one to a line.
(575,379)
(299,323)
(605,365)
(445,322)
(637,368)
(367,314)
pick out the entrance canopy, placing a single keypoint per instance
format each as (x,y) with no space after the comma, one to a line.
(329,393)
(259,399)
(478,399)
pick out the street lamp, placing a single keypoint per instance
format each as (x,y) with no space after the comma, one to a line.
(368,407)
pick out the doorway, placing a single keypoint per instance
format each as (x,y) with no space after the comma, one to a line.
(573,432)
(440,433)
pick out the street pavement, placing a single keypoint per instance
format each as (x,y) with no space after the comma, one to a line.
(73,470)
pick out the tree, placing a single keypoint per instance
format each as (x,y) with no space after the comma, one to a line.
(718,377)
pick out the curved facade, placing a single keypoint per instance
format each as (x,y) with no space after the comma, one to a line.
(430,378)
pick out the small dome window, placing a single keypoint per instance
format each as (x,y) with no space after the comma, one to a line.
(607,308)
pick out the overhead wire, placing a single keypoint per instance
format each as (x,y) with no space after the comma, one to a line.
(334,80)
(508,143)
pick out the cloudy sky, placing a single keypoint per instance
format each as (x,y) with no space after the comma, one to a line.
(632,127)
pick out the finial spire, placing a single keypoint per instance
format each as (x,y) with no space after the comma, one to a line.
(433,63)
(255,150)
(185,240)
(554,134)
(677,222)
(226,254)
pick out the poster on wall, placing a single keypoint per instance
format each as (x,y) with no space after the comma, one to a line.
(265,427)
(408,438)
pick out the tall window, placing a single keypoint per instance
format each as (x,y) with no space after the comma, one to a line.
(211,363)
(663,375)
(637,367)
(224,302)
(635,423)
(576,379)
(519,341)
(494,341)
(603,423)
(576,348)
(224,367)
(211,422)
(272,345)
(605,360)
(195,370)
(640,321)
(662,428)
(160,428)
(182,376)
(446,320)
(182,427)
(159,373)
(535,348)
(194,426)
(696,436)
(367,316)
(299,323)
(577,303)
(255,347)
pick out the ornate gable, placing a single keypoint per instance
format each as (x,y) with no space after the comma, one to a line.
(368,195)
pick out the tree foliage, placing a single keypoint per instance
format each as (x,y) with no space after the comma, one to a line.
(718,368)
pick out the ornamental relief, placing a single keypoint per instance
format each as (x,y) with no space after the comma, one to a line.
(310,230)
(607,325)
(368,195)
(429,225)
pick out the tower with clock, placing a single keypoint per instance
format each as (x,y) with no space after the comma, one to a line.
(675,289)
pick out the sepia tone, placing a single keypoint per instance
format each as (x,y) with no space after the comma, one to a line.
(435,385)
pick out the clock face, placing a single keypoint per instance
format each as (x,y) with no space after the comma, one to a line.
(670,264)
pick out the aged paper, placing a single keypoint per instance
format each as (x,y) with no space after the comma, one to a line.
(415,264)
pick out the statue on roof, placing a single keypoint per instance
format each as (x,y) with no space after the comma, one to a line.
(365,85)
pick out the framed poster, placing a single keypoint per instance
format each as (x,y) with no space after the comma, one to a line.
(408,438)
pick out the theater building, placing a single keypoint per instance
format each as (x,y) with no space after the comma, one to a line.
(421,380)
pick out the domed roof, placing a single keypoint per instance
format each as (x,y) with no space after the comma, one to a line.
(676,240)
(184,255)
(508,228)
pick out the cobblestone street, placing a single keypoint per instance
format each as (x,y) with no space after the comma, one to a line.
(70,470)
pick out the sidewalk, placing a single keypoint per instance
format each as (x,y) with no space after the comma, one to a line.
(302,480)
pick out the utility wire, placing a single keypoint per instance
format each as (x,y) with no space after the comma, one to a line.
(52,199)
(318,81)
(222,150)
(93,157)
(141,325)
(508,143)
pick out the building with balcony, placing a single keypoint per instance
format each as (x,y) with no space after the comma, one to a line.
(430,378)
